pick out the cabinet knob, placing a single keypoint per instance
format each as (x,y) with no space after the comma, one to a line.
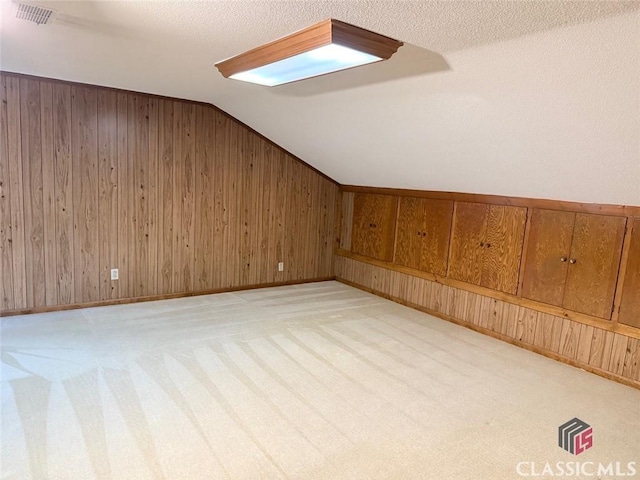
(563,259)
(419,234)
(488,245)
(424,234)
(482,244)
(572,261)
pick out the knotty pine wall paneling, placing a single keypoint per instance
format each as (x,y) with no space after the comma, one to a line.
(179,196)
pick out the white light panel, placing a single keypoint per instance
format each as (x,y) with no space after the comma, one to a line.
(325,59)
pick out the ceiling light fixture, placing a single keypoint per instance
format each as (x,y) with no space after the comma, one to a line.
(325,47)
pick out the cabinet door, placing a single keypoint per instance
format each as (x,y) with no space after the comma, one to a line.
(374,219)
(547,255)
(436,233)
(362,219)
(594,264)
(630,302)
(409,231)
(503,248)
(467,241)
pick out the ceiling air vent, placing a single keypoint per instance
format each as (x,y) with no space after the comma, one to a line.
(34,14)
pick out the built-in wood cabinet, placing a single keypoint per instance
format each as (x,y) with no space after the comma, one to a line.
(374,221)
(580,261)
(630,299)
(572,260)
(486,245)
(560,277)
(423,230)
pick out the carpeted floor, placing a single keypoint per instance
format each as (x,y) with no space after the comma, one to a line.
(315,381)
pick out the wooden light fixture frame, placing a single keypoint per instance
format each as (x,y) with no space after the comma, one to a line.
(318,35)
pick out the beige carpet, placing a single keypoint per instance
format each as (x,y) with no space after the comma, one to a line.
(307,382)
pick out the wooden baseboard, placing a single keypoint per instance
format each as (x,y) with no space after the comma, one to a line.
(499,336)
(151,298)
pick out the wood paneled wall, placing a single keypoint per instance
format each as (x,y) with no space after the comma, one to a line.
(178,196)
(606,353)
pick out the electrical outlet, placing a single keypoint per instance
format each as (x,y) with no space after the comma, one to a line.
(281,266)
(114,274)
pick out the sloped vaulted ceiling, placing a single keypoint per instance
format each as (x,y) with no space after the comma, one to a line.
(536,99)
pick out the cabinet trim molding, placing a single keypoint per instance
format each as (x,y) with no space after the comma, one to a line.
(578,207)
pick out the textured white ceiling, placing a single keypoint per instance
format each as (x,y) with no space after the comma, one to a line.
(528,98)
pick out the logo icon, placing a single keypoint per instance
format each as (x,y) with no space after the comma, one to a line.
(575,436)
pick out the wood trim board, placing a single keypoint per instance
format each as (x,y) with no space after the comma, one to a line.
(617,210)
(153,298)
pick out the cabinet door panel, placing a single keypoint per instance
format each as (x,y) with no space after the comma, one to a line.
(596,249)
(362,219)
(630,303)
(469,229)
(374,219)
(385,226)
(503,248)
(436,235)
(409,231)
(545,272)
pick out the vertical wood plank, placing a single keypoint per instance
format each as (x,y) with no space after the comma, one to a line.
(220,227)
(280,221)
(85,192)
(584,344)
(108,226)
(48,193)
(178,282)
(618,354)
(268,262)
(165,197)
(31,137)
(64,208)
(188,210)
(204,198)
(14,134)
(601,344)
(6,226)
(138,143)
(125,182)
(245,221)
(631,367)
(152,196)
